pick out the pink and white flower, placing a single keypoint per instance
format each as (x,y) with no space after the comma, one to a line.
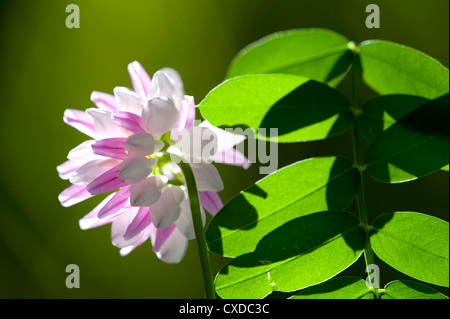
(133,133)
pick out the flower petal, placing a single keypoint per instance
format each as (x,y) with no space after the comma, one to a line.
(104,124)
(127,100)
(196,143)
(159,116)
(135,169)
(68,168)
(91,220)
(231,157)
(106,182)
(207,177)
(119,227)
(211,201)
(225,139)
(143,237)
(104,101)
(175,79)
(91,170)
(81,121)
(147,191)
(185,223)
(162,86)
(118,204)
(142,144)
(174,248)
(167,209)
(128,121)
(139,223)
(139,78)
(110,147)
(74,194)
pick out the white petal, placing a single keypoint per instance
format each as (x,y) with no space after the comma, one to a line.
(127,100)
(147,191)
(91,170)
(105,125)
(167,209)
(135,169)
(174,248)
(197,144)
(119,227)
(142,144)
(162,86)
(184,223)
(225,139)
(207,177)
(159,116)
(175,79)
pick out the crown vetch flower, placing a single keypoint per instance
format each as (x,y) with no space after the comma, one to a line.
(133,133)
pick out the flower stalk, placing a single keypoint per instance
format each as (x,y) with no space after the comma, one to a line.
(194,202)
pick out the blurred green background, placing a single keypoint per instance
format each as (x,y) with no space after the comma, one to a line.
(46,68)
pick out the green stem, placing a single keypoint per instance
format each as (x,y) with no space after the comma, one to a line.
(360,198)
(194,202)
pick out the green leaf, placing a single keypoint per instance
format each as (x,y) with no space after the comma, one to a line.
(381,112)
(416,145)
(405,289)
(300,109)
(391,68)
(306,187)
(319,54)
(415,244)
(337,288)
(298,254)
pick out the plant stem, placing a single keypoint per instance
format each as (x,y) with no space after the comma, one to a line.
(194,202)
(360,198)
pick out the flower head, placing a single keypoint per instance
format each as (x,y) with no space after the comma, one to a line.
(132,136)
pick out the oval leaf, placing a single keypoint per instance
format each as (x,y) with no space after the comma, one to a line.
(327,183)
(298,254)
(415,244)
(298,108)
(416,145)
(337,288)
(391,68)
(319,54)
(405,289)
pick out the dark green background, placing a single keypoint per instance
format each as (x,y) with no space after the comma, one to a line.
(46,68)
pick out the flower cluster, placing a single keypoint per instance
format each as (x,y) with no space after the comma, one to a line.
(133,133)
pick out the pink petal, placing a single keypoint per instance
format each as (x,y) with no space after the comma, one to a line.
(74,194)
(231,157)
(117,204)
(139,223)
(139,78)
(83,152)
(135,169)
(159,116)
(211,201)
(104,101)
(128,121)
(127,100)
(162,86)
(159,236)
(91,220)
(81,121)
(110,147)
(106,182)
